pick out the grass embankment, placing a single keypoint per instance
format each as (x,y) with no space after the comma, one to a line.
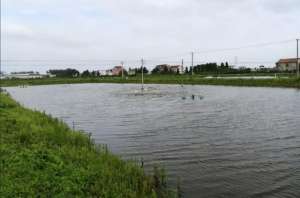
(42,157)
(291,82)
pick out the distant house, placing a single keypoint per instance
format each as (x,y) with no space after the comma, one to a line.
(131,72)
(23,75)
(175,68)
(117,70)
(161,68)
(50,75)
(165,68)
(289,64)
(102,72)
(108,72)
(2,75)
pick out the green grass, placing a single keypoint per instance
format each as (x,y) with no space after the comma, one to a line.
(42,157)
(291,82)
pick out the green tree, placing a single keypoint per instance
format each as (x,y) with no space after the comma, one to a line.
(186,71)
(64,72)
(226,64)
(86,74)
(139,70)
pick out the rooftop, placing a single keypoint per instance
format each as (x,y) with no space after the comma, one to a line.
(288,60)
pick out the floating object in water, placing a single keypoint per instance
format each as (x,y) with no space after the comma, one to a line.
(194,97)
(147,91)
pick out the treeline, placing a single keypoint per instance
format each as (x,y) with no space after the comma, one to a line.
(64,72)
(225,68)
(166,69)
(208,68)
(73,73)
(87,73)
(67,73)
(138,70)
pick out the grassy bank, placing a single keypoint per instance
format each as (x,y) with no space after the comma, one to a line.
(163,79)
(42,157)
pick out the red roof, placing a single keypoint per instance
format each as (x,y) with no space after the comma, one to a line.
(288,60)
(118,67)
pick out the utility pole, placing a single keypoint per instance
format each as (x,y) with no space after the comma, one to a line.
(192,63)
(0,53)
(298,72)
(122,64)
(182,67)
(142,74)
(0,69)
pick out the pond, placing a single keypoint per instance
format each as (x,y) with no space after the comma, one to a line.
(220,141)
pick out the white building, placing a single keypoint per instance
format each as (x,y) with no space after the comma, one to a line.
(131,72)
(108,72)
(23,75)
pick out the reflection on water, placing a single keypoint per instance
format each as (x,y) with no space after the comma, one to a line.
(223,142)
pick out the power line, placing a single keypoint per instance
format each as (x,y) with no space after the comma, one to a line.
(233,48)
(152,63)
(246,46)
(171,56)
(104,63)
(151,58)
(64,60)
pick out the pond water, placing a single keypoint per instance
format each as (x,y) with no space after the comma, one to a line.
(220,141)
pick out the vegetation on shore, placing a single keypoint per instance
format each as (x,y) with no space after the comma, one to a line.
(291,82)
(42,157)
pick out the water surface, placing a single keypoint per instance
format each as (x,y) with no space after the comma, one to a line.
(221,142)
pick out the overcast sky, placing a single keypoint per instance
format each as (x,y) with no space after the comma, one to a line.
(97,34)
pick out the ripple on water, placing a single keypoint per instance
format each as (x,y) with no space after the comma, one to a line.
(234,142)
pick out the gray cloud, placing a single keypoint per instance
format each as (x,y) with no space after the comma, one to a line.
(118,29)
(279,6)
